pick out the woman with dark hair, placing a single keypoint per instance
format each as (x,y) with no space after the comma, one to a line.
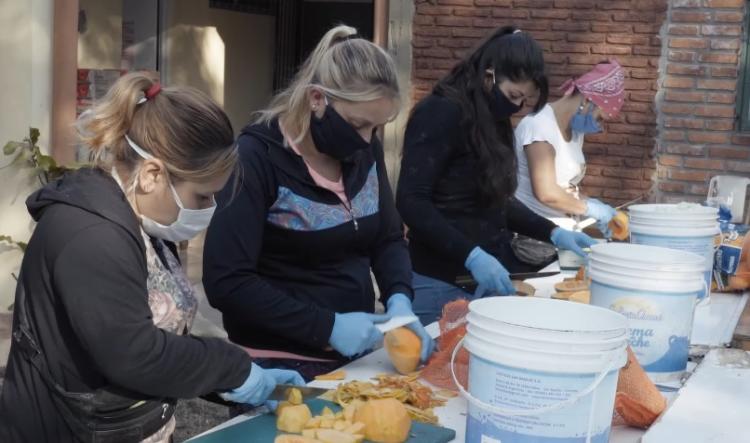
(458,175)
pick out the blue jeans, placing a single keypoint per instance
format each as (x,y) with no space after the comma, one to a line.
(430,295)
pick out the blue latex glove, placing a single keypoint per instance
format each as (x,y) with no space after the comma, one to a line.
(399,305)
(260,383)
(571,240)
(355,332)
(602,212)
(490,275)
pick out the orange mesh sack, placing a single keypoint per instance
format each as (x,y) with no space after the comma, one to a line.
(452,330)
(638,402)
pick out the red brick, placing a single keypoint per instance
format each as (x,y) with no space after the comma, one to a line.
(721,30)
(575,4)
(684,29)
(633,17)
(430,31)
(738,166)
(672,187)
(643,74)
(675,136)
(584,37)
(457,2)
(703,163)
(605,161)
(619,128)
(682,56)
(610,49)
(627,39)
(724,71)
(734,153)
(708,137)
(728,17)
(684,96)
(623,151)
(534,3)
(554,14)
(640,28)
(677,109)
(682,149)
(690,17)
(591,16)
(725,44)
(621,195)
(614,4)
(622,173)
(601,182)
(430,74)
(641,141)
(698,189)
(724,3)
(639,50)
(472,12)
(466,32)
(570,26)
(433,52)
(486,22)
(641,119)
(670,160)
(428,9)
(715,111)
(726,124)
(501,3)
(687,123)
(698,71)
(457,43)
(453,21)
(570,48)
(741,139)
(423,20)
(609,27)
(421,42)
(686,3)
(718,58)
(683,43)
(679,82)
(533,25)
(552,36)
(634,62)
(726,85)
(690,176)
(642,96)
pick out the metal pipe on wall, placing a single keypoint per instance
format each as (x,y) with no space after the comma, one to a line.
(64,65)
(380,25)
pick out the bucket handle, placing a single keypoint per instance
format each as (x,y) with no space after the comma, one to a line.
(526,412)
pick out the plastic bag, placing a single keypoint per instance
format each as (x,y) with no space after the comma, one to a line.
(638,402)
(452,330)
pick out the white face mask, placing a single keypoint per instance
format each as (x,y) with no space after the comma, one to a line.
(189,223)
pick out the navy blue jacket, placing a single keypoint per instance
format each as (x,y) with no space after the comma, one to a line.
(283,254)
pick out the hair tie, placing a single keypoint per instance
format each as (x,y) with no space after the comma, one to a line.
(153,91)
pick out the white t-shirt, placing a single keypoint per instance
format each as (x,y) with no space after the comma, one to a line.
(570,164)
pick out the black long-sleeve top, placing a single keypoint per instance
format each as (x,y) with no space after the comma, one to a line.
(439,197)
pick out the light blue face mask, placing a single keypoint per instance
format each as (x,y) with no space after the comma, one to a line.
(585,123)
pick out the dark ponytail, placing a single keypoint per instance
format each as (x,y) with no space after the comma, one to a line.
(514,56)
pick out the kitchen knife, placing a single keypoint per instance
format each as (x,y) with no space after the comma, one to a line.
(281,392)
(468,280)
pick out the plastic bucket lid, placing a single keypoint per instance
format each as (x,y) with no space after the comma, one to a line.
(624,265)
(658,272)
(650,257)
(669,230)
(651,276)
(708,223)
(636,282)
(533,315)
(668,211)
(581,346)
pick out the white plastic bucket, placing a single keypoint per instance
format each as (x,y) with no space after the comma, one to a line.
(658,300)
(684,226)
(525,383)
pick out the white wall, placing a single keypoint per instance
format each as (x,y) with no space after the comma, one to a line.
(227,54)
(26,46)
(100,45)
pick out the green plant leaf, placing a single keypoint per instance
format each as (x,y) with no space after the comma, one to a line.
(19,244)
(46,163)
(10,147)
(34,135)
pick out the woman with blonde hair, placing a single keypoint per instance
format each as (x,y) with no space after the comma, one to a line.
(287,261)
(101,346)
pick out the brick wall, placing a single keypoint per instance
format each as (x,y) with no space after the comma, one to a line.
(575,35)
(698,135)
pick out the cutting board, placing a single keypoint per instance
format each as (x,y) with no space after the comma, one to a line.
(262,429)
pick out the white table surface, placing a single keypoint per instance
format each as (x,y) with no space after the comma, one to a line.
(714,325)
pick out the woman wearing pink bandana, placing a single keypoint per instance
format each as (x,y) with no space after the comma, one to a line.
(549,145)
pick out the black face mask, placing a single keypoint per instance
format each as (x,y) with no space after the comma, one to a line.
(334,136)
(500,106)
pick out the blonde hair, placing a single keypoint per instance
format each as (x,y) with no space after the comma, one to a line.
(181,126)
(344,68)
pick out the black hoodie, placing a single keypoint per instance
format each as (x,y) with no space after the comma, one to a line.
(283,255)
(84,274)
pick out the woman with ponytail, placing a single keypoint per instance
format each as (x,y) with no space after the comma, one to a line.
(101,347)
(287,260)
(458,175)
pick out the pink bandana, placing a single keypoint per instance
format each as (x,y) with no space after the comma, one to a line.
(604,86)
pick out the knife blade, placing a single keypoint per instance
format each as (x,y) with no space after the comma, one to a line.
(468,280)
(281,391)
(395,322)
